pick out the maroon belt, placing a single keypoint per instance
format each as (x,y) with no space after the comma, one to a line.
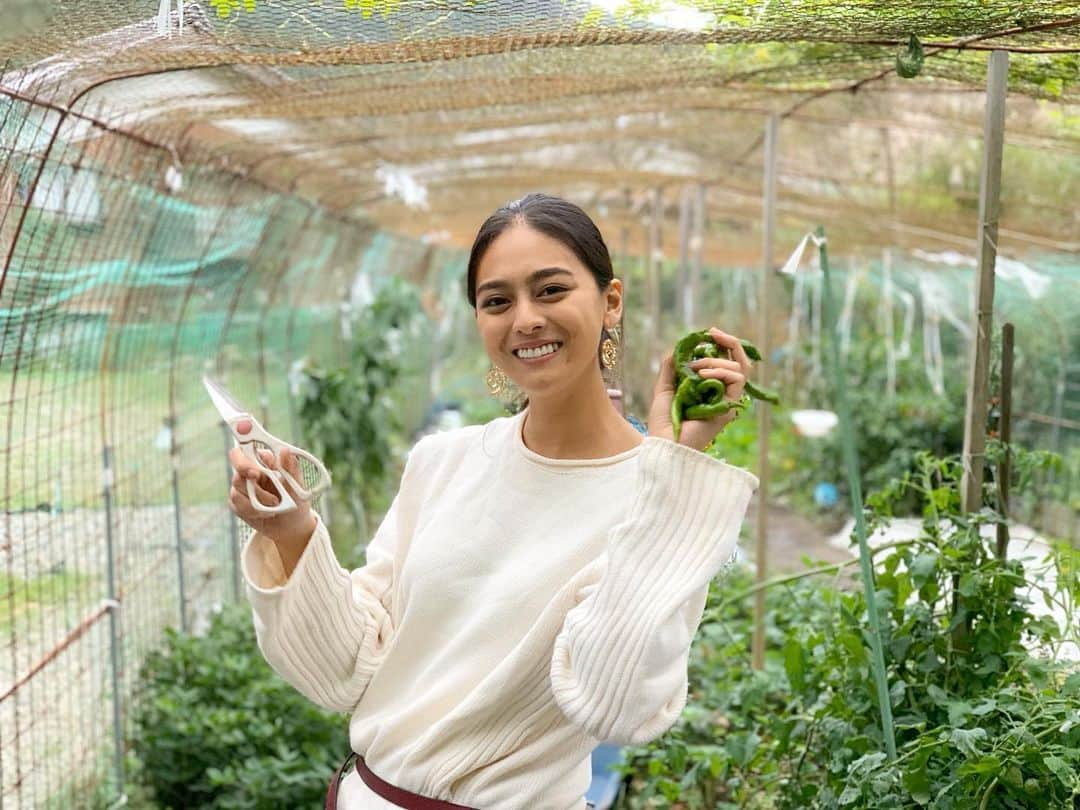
(402,798)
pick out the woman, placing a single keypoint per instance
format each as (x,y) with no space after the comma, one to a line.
(537,581)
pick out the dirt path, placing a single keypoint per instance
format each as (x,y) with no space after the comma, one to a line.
(792,536)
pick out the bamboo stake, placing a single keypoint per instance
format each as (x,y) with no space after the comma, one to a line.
(653,286)
(974,456)
(986,253)
(768,237)
(834,368)
(1005,434)
(682,274)
(697,245)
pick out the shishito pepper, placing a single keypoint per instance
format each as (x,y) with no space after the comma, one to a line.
(697,397)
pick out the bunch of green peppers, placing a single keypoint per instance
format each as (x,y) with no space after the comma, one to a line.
(699,398)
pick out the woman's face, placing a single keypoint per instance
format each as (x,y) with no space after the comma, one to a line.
(532,290)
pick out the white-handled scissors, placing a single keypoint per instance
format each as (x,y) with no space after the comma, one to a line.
(257,438)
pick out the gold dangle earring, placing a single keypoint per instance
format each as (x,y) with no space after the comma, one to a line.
(609,350)
(497,382)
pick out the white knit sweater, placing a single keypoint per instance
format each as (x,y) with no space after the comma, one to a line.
(514,611)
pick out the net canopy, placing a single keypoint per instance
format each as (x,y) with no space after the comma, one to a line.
(384,108)
(228,185)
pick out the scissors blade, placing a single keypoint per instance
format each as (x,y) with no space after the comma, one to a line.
(226,404)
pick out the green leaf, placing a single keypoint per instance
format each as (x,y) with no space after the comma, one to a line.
(916,780)
(1071,685)
(795,663)
(982,765)
(1060,768)
(959,711)
(850,795)
(742,746)
(937,694)
(897,692)
(923,567)
(966,739)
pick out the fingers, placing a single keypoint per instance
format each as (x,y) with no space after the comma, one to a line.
(666,379)
(714,362)
(291,463)
(238,497)
(245,470)
(734,380)
(731,342)
(246,467)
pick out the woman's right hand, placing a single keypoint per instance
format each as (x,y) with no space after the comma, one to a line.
(292,527)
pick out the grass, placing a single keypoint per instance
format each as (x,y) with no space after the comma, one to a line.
(20,598)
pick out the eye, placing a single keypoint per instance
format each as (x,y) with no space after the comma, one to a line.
(492,301)
(555,287)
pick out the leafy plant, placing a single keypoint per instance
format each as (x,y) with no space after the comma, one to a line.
(991,723)
(891,430)
(349,415)
(216,727)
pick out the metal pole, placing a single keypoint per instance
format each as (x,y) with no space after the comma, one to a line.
(772,125)
(174,457)
(234,534)
(113,604)
(986,256)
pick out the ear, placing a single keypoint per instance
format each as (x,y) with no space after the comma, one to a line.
(614,304)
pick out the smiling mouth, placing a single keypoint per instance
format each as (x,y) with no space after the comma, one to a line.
(557,344)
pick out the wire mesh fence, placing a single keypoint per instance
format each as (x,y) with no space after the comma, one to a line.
(210,188)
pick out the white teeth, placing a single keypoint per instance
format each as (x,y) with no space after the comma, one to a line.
(539,351)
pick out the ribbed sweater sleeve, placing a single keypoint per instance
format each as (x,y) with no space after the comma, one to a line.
(324,629)
(619,667)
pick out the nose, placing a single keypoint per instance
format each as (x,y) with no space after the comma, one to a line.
(527,319)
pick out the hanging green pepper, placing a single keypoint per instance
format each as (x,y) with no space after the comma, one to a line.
(699,398)
(909,60)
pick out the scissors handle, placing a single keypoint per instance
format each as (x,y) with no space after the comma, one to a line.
(259,434)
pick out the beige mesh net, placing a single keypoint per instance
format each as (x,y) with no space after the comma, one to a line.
(187,185)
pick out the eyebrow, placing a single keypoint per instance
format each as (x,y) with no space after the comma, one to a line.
(534,276)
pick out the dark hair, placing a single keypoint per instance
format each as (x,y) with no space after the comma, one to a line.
(557,218)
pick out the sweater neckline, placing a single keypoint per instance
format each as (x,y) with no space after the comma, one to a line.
(547,461)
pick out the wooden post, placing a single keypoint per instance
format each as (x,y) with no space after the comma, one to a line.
(682,276)
(697,245)
(986,255)
(653,287)
(886,266)
(1005,435)
(768,229)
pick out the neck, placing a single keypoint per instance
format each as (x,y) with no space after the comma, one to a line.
(582,424)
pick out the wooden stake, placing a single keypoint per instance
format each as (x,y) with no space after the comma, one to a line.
(761,378)
(986,257)
(697,245)
(682,275)
(653,284)
(1005,435)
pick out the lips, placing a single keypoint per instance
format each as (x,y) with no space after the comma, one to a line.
(558,345)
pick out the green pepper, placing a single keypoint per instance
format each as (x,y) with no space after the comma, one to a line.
(909,60)
(700,398)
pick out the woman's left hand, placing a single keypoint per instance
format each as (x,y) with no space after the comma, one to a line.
(697,433)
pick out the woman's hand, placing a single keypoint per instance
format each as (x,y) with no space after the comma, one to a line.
(291,528)
(697,433)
